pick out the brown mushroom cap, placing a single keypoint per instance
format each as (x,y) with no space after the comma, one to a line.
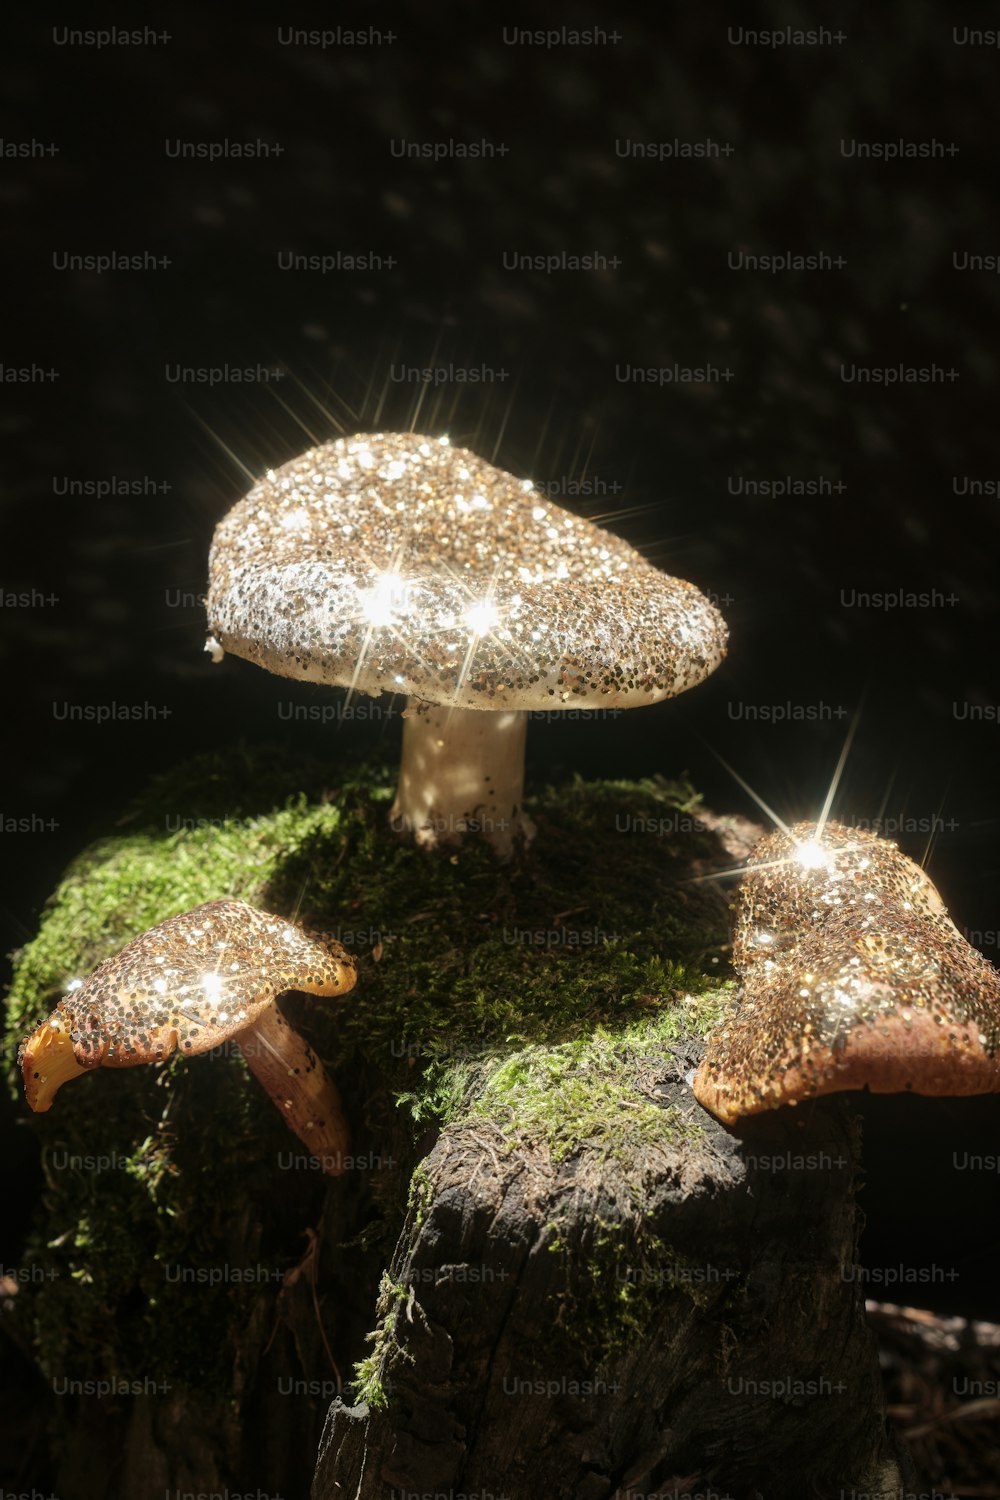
(392,562)
(193,981)
(852,975)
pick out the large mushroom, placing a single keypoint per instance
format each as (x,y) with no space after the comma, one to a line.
(197,980)
(392,562)
(852,975)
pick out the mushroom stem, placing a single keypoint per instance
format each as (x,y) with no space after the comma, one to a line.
(462,772)
(300,1086)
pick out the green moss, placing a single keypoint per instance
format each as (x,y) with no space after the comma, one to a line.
(581,1094)
(628,1276)
(421,1193)
(370,1372)
(367,1385)
(522,994)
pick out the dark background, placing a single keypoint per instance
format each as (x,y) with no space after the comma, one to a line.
(667,465)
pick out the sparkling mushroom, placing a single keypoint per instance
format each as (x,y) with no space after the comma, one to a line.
(392,562)
(204,977)
(852,975)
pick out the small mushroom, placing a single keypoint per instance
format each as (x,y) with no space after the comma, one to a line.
(204,977)
(852,975)
(392,562)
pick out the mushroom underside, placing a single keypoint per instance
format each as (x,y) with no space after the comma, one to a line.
(904,1052)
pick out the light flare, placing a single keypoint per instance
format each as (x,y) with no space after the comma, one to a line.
(482,617)
(812,855)
(388,597)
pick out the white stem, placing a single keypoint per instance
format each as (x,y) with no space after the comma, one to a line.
(300,1086)
(462,774)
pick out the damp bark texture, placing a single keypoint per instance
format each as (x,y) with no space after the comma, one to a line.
(510,1369)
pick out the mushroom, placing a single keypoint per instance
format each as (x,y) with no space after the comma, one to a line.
(204,977)
(392,562)
(852,975)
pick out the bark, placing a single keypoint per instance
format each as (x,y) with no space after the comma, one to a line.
(486,1369)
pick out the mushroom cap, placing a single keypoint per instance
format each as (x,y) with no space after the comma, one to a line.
(852,975)
(391,562)
(191,982)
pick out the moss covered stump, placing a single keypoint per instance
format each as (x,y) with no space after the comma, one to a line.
(547,1271)
(668,1321)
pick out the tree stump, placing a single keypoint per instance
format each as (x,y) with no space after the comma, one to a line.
(669,1321)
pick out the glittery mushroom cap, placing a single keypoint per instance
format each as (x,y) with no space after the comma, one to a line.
(192,982)
(852,975)
(392,562)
